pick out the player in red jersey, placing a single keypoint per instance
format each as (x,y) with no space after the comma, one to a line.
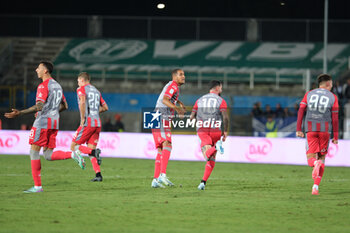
(166,106)
(91,104)
(49,102)
(321,107)
(211,107)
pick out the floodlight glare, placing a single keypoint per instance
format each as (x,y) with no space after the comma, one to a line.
(161,6)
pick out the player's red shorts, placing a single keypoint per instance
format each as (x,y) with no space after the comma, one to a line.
(161,135)
(43,137)
(86,134)
(209,136)
(317,142)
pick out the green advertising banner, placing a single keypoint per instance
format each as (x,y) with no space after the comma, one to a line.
(223,57)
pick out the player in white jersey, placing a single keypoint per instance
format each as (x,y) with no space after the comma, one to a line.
(321,118)
(91,104)
(166,106)
(49,102)
(211,107)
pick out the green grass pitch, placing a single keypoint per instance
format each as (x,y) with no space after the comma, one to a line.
(238,198)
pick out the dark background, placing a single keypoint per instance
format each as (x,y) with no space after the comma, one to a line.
(297,9)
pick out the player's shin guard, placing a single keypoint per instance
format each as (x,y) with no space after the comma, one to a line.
(311,161)
(95,165)
(208,169)
(157,165)
(210,151)
(318,179)
(36,169)
(61,155)
(85,149)
(165,158)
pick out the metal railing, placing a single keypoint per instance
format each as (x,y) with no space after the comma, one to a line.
(292,30)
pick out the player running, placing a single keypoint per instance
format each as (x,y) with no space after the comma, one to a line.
(166,106)
(91,104)
(49,102)
(210,107)
(321,108)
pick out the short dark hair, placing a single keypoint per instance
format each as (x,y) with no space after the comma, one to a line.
(174,72)
(85,76)
(214,83)
(323,78)
(48,65)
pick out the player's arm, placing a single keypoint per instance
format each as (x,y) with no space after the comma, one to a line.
(194,111)
(63,105)
(301,112)
(335,120)
(35,108)
(226,122)
(82,106)
(182,105)
(168,103)
(103,108)
(103,105)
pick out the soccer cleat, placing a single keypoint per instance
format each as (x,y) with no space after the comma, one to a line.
(315,191)
(97,179)
(156,184)
(163,179)
(96,153)
(316,171)
(79,159)
(201,186)
(219,147)
(34,190)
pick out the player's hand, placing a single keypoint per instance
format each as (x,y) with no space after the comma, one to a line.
(182,106)
(13,114)
(82,122)
(224,136)
(300,134)
(181,112)
(334,141)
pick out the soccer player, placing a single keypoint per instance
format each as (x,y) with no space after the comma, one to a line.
(321,107)
(49,102)
(211,107)
(166,105)
(91,104)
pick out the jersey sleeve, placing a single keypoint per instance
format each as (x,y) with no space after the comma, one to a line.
(42,93)
(195,107)
(301,111)
(102,101)
(335,117)
(81,91)
(304,100)
(223,106)
(171,90)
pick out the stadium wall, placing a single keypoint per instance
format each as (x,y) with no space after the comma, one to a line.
(187,148)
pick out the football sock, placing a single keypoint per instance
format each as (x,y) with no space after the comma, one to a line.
(95,166)
(164,159)
(85,149)
(315,186)
(210,151)
(60,155)
(318,179)
(157,165)
(208,169)
(204,181)
(36,168)
(98,174)
(311,162)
